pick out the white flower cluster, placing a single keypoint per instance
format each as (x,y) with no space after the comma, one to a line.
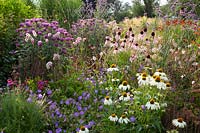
(159,79)
(122,119)
(179,123)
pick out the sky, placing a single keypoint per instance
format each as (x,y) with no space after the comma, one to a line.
(162,2)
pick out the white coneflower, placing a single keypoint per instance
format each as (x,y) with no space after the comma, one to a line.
(113,67)
(152,105)
(123,119)
(124,97)
(143,81)
(179,123)
(168,85)
(124,86)
(56,57)
(113,117)
(163,76)
(161,85)
(83,129)
(107,100)
(156,81)
(49,65)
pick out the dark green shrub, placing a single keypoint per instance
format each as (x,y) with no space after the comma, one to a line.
(12,12)
(19,116)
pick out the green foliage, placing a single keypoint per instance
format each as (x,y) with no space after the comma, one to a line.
(137,9)
(19,116)
(66,86)
(12,12)
(65,11)
(94,31)
(121,59)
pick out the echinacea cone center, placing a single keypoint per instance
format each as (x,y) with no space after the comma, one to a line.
(180,120)
(82,128)
(125,83)
(152,101)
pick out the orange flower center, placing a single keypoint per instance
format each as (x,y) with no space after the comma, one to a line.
(157,79)
(180,120)
(154,76)
(168,84)
(113,65)
(160,70)
(125,83)
(144,75)
(107,97)
(152,101)
(113,115)
(124,94)
(123,116)
(82,128)
(143,78)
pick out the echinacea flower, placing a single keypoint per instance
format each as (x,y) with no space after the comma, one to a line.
(113,67)
(107,100)
(83,129)
(179,122)
(113,117)
(152,105)
(159,72)
(168,85)
(123,119)
(124,86)
(143,81)
(124,97)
